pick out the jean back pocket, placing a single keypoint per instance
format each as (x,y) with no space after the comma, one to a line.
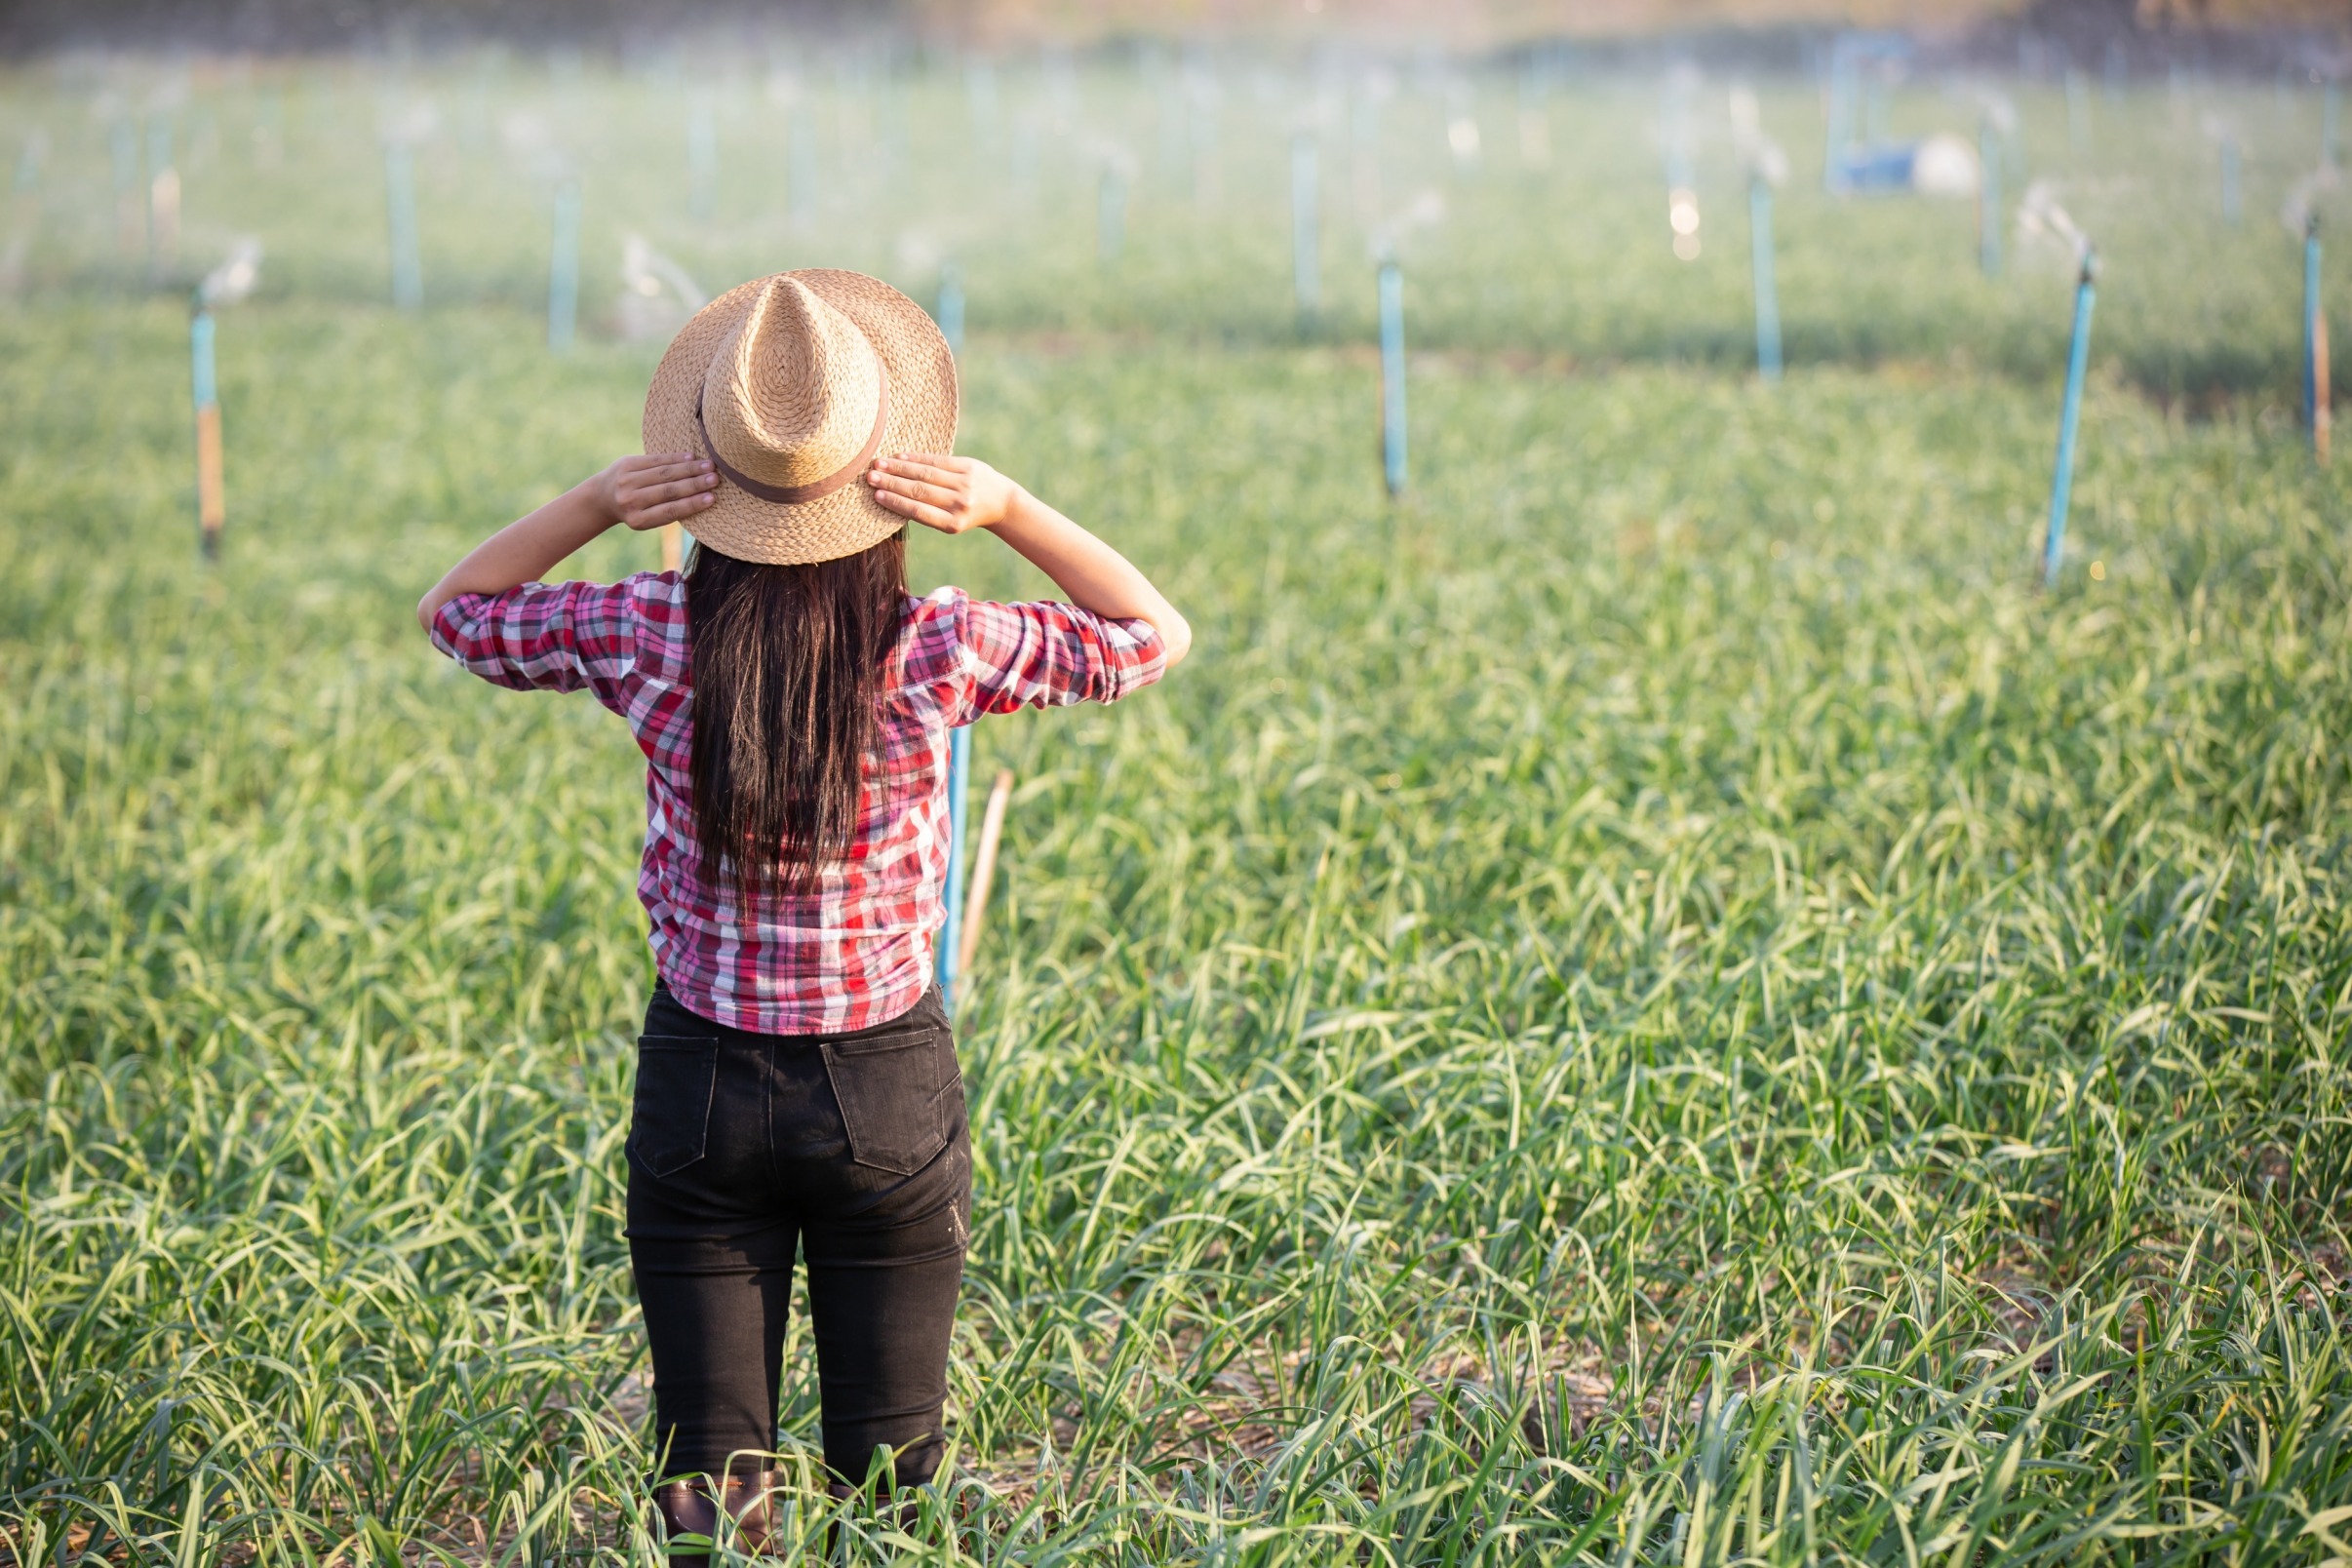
(895,1089)
(669,1116)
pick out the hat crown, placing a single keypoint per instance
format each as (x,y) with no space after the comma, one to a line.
(792,395)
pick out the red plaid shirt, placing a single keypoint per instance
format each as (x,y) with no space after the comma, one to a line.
(858,949)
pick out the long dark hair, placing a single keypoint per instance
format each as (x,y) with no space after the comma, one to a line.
(788,675)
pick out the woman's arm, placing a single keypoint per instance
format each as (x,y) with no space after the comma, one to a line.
(644,493)
(954,494)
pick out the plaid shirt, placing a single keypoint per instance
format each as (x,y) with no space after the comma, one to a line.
(858,951)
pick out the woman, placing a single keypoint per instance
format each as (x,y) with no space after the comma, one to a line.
(796,1081)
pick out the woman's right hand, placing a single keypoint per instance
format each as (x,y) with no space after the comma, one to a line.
(945,493)
(646,492)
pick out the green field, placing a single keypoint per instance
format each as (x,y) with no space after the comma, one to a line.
(1654,1001)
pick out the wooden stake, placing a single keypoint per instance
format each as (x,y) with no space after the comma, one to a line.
(983,868)
(211,491)
(2322,413)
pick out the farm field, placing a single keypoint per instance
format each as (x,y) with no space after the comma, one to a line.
(1652,1002)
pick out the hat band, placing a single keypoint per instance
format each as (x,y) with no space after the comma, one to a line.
(816,490)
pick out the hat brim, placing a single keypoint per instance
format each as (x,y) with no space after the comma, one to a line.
(922,372)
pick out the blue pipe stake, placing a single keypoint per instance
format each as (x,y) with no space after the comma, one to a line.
(1768,298)
(204,385)
(950,929)
(950,306)
(563,269)
(399,205)
(2078,362)
(1392,377)
(1306,255)
(1988,199)
(1111,216)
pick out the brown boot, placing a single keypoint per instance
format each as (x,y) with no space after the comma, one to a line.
(688,1509)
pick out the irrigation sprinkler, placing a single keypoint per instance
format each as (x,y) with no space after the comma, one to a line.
(950,940)
(1391,377)
(950,305)
(224,285)
(2318,383)
(1306,259)
(983,868)
(563,269)
(2078,361)
(702,160)
(400,207)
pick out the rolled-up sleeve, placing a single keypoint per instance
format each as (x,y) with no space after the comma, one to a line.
(1037,655)
(546,636)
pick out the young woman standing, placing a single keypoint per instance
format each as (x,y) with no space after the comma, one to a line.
(797,1086)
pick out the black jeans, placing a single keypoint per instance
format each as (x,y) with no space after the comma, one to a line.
(851,1147)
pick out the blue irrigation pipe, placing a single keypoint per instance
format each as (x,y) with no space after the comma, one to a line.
(400,211)
(950,929)
(563,269)
(1391,377)
(1768,298)
(1306,255)
(203,383)
(1988,199)
(950,306)
(2078,362)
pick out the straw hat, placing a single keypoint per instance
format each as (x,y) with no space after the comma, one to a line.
(791,385)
